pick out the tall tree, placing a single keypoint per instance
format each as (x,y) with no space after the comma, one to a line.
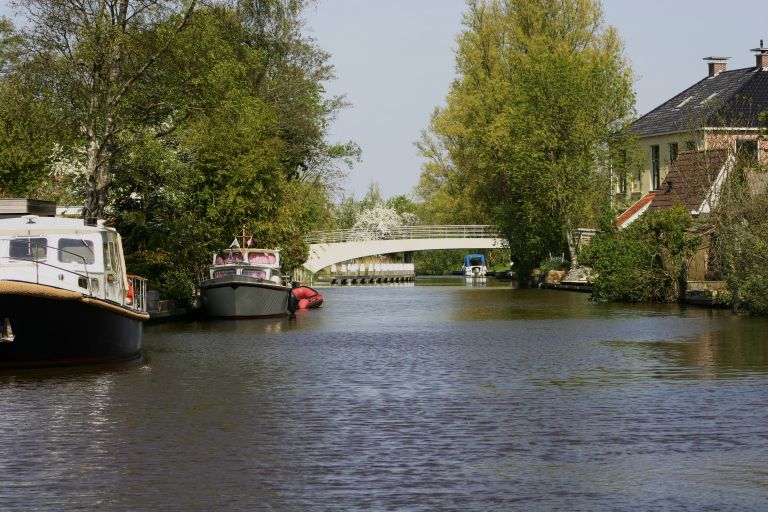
(27,126)
(97,54)
(212,117)
(541,94)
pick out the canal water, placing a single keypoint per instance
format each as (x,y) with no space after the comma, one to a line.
(406,397)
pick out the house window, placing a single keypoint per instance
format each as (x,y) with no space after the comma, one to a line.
(672,152)
(655,178)
(746,150)
(690,145)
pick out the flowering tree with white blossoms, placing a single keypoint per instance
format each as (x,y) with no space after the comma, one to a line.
(378,221)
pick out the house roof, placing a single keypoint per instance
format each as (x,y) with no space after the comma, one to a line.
(731,98)
(690,179)
(634,211)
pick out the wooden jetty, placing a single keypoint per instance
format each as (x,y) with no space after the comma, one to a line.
(372,273)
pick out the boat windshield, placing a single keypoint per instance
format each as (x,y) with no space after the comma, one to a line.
(258,274)
(228,257)
(474,261)
(261,257)
(223,273)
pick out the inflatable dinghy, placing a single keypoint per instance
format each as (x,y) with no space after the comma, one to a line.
(308,298)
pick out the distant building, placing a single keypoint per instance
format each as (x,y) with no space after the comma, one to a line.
(689,141)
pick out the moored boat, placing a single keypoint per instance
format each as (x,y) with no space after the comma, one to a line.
(65,296)
(474,266)
(245,282)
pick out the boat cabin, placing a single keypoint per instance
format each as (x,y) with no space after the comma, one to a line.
(70,255)
(262,264)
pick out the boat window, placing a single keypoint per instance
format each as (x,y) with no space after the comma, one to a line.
(223,273)
(75,250)
(107,260)
(258,274)
(113,256)
(229,257)
(259,257)
(28,248)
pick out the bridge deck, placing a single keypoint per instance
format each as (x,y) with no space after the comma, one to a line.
(336,246)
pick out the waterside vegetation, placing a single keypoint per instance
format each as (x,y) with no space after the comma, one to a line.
(536,132)
(179,122)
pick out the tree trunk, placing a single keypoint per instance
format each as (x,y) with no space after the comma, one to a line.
(570,237)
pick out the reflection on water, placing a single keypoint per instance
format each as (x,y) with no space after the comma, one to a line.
(438,396)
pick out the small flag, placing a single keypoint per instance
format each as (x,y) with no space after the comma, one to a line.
(234,243)
(249,242)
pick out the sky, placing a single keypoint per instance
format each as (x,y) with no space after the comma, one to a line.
(394,62)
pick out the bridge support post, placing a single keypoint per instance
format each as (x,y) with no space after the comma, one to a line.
(408,257)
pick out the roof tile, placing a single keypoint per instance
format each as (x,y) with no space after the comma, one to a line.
(731,98)
(690,179)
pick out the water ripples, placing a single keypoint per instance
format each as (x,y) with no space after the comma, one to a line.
(421,398)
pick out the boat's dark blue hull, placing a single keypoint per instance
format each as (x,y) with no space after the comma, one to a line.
(48,331)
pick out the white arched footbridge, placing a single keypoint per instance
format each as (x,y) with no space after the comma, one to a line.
(330,247)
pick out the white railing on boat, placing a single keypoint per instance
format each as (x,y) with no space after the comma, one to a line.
(135,297)
(83,276)
(137,293)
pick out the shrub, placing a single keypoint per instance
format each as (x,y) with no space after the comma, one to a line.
(645,262)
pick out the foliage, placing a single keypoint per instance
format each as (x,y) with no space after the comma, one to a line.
(28,128)
(181,123)
(542,94)
(374,212)
(444,262)
(93,59)
(438,263)
(644,262)
(554,263)
(741,243)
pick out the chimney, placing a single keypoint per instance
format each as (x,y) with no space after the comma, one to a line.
(761,57)
(716,65)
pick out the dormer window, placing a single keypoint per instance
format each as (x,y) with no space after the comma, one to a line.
(684,102)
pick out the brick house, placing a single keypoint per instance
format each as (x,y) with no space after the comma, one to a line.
(719,112)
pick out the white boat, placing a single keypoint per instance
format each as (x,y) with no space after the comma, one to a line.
(474,266)
(245,282)
(65,296)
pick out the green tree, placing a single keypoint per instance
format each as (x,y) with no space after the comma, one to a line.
(96,54)
(542,92)
(212,118)
(27,124)
(195,190)
(740,240)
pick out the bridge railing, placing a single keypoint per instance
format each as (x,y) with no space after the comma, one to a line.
(403,232)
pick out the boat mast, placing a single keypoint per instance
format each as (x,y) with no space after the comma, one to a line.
(244,241)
